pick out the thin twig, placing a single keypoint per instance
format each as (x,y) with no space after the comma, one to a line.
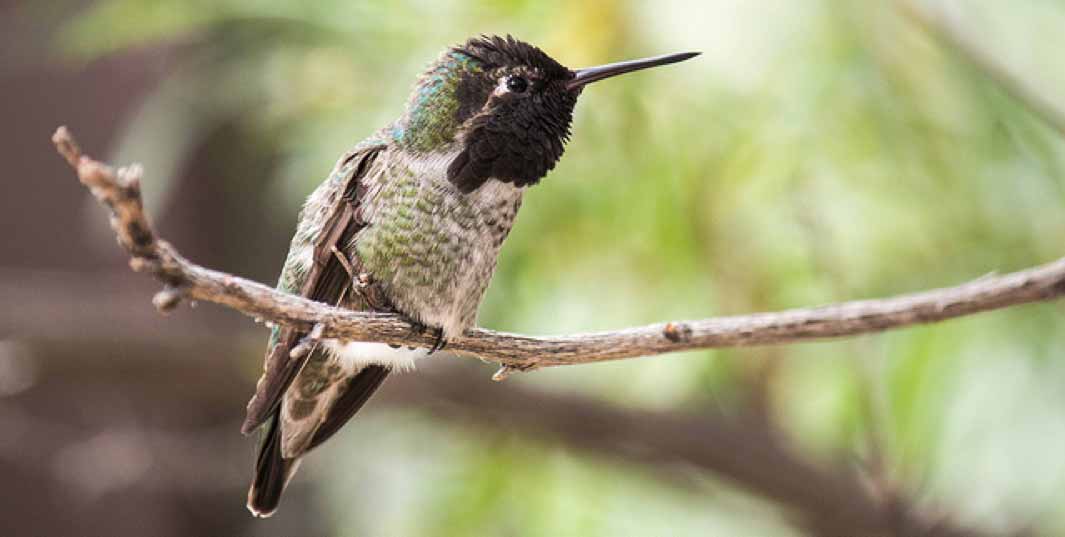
(120,191)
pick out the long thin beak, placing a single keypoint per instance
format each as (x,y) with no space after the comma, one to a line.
(591,74)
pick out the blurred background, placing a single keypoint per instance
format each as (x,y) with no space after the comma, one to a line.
(818,151)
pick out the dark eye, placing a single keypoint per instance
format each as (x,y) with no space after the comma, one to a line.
(517,84)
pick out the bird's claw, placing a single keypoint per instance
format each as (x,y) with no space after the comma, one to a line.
(440,343)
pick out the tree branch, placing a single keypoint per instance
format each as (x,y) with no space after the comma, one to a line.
(119,190)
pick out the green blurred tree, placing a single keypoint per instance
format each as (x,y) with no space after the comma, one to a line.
(823,151)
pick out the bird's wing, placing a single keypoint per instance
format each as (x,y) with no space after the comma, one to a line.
(326,280)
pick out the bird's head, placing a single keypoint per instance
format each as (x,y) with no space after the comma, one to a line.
(504,107)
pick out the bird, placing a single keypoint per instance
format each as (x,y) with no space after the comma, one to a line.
(411,221)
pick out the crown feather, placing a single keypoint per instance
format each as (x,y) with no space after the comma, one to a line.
(494,51)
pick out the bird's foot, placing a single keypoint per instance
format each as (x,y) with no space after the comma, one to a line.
(419,329)
(441,342)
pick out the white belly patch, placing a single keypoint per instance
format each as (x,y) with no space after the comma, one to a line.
(354,355)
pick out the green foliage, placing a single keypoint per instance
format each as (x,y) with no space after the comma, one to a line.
(846,156)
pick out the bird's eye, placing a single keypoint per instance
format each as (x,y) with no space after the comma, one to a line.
(517,84)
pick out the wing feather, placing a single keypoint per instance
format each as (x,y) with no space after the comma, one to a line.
(325,281)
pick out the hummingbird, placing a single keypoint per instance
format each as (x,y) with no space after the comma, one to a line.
(411,221)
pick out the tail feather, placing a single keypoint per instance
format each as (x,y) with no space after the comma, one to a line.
(272,469)
(355,395)
(272,472)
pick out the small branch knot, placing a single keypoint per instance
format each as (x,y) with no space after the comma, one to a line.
(66,146)
(169,298)
(143,264)
(677,332)
(507,370)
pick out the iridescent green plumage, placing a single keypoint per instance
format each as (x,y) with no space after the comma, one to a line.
(433,118)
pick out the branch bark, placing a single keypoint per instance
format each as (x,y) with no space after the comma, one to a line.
(119,190)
